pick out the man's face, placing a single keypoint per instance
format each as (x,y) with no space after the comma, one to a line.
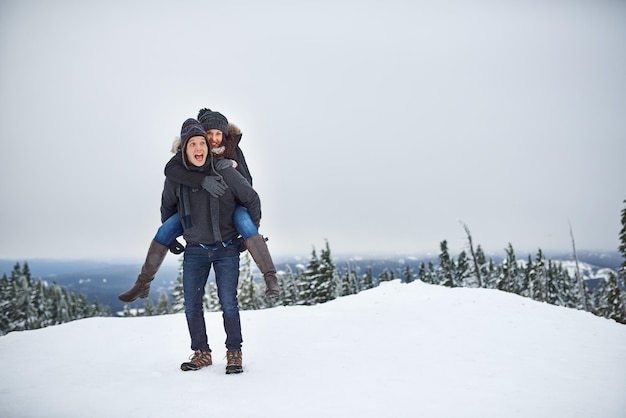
(197,151)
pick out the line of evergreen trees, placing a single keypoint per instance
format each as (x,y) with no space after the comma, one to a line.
(26,303)
(321,281)
(29,304)
(537,278)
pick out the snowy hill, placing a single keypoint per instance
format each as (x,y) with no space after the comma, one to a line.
(401,350)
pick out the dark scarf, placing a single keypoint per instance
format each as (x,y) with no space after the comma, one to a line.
(214,204)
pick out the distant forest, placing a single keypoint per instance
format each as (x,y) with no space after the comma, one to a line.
(30,304)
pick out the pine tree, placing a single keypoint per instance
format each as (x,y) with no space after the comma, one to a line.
(348,284)
(327,277)
(528,276)
(148,308)
(211,301)
(537,277)
(247,290)
(431,273)
(462,270)
(163,305)
(385,276)
(308,281)
(622,249)
(421,273)
(446,266)
(609,301)
(288,287)
(483,267)
(491,274)
(178,296)
(367,281)
(127,312)
(508,280)
(408,274)
(5,305)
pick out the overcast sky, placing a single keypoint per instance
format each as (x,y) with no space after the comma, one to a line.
(379,126)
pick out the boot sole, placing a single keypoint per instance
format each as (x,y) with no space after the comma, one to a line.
(186,367)
(234,369)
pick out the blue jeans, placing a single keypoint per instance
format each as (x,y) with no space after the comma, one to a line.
(169,230)
(243,222)
(197,264)
(172,228)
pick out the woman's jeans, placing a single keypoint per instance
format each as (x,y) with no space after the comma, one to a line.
(197,264)
(172,228)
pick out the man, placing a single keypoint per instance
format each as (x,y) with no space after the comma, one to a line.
(211,239)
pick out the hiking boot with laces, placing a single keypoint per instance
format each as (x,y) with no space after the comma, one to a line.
(233,362)
(197,360)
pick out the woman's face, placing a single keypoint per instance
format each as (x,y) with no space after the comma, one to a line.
(215,137)
(197,150)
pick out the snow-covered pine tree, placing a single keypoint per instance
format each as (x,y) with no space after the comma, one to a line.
(386,276)
(529,274)
(308,280)
(126,312)
(445,273)
(408,274)
(538,277)
(328,277)
(178,298)
(211,300)
(609,300)
(483,266)
(247,290)
(431,273)
(554,285)
(348,285)
(5,305)
(288,287)
(421,272)
(148,308)
(163,306)
(510,272)
(462,270)
(367,281)
(622,250)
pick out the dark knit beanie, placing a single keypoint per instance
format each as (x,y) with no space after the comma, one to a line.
(190,128)
(213,120)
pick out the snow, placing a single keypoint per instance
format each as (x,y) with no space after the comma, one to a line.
(401,350)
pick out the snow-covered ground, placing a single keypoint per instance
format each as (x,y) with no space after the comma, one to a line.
(399,350)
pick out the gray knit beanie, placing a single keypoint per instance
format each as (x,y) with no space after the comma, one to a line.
(213,120)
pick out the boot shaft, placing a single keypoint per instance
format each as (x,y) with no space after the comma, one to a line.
(257,247)
(154,259)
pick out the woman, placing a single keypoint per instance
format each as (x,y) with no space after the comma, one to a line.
(226,148)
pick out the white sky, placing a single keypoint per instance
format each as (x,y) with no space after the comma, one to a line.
(376,125)
(401,350)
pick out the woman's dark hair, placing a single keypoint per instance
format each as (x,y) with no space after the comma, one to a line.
(230,146)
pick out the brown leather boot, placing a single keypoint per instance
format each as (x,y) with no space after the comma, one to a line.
(141,288)
(257,247)
(234,363)
(198,360)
